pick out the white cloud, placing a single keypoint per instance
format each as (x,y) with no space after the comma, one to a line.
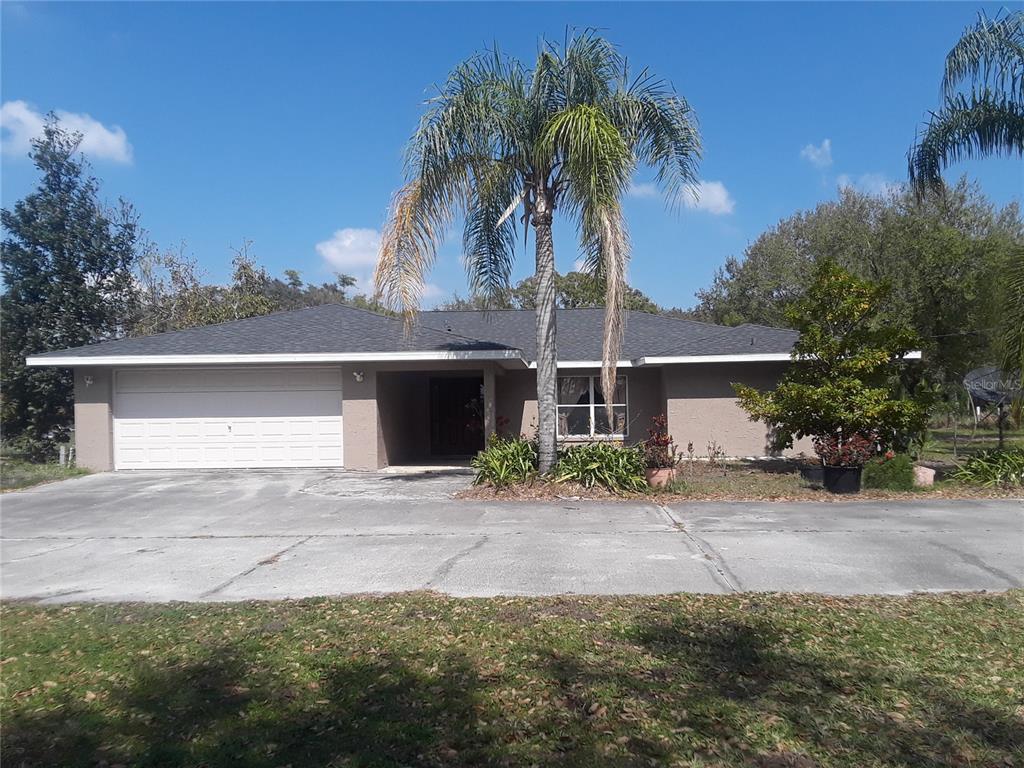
(21,123)
(712,197)
(353,251)
(870,183)
(350,248)
(708,196)
(643,190)
(819,156)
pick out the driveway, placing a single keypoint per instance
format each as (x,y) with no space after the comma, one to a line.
(263,535)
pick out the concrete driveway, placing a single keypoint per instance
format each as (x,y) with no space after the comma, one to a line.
(261,535)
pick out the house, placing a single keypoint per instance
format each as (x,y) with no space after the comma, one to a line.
(336,386)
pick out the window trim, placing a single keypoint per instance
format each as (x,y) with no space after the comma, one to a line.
(594,385)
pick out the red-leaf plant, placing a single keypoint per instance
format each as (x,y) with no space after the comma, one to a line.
(659,448)
(854,450)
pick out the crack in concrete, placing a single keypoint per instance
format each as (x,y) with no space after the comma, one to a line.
(50,551)
(980,564)
(717,566)
(264,562)
(446,567)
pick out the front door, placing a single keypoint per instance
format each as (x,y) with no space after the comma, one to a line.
(456,416)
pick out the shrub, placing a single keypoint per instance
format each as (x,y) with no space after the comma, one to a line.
(505,461)
(616,467)
(659,449)
(892,472)
(993,468)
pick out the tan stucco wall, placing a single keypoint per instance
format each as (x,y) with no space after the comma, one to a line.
(386,414)
(516,400)
(94,427)
(702,406)
(362,434)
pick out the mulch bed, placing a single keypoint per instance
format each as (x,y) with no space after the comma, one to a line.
(743,481)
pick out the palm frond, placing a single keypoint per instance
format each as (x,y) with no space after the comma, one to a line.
(595,160)
(966,127)
(489,235)
(662,131)
(990,54)
(408,248)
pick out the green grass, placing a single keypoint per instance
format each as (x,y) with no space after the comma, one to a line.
(760,680)
(16,474)
(940,443)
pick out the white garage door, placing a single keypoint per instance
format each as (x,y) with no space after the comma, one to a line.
(227,417)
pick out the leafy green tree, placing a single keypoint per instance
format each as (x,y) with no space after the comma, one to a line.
(172,295)
(942,256)
(842,381)
(565,136)
(67,264)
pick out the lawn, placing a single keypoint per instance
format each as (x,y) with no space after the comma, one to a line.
(770,681)
(16,474)
(941,444)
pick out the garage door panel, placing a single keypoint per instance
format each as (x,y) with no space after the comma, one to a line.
(192,418)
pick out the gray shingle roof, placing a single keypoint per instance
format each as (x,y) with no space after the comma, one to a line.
(647,335)
(329,328)
(341,329)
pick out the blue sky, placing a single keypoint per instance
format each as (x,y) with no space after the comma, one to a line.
(284,123)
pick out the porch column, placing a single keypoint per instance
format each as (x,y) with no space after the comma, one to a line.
(94,426)
(363,439)
(490,422)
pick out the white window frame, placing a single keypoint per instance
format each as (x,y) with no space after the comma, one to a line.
(594,386)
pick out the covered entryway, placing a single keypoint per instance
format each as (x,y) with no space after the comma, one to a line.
(432,417)
(456,417)
(181,418)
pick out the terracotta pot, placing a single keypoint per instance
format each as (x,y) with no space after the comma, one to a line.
(659,477)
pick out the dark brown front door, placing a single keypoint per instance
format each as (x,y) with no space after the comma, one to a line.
(456,416)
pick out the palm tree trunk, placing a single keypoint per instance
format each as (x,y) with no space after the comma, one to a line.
(547,355)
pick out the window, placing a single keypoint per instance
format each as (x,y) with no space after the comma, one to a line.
(581,408)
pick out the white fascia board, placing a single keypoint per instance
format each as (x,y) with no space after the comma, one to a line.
(585,364)
(324,357)
(763,357)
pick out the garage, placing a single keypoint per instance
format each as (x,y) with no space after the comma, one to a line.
(238,417)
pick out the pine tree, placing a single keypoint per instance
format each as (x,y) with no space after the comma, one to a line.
(66,263)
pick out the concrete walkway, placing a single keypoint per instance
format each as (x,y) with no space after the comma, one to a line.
(266,535)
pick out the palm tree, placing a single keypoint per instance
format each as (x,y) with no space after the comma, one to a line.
(989,120)
(565,137)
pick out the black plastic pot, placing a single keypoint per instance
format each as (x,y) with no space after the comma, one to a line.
(843,479)
(813,474)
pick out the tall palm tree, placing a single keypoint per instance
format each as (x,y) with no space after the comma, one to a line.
(565,136)
(989,120)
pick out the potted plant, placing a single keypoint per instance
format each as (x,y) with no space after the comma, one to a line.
(844,459)
(660,454)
